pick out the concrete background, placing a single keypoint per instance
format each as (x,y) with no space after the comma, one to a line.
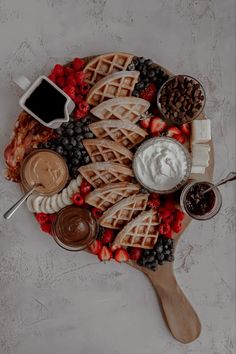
(56,302)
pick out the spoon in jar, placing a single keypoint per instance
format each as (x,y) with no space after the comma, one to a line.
(230,177)
(8,214)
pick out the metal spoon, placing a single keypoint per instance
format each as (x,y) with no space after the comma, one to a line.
(230,177)
(8,214)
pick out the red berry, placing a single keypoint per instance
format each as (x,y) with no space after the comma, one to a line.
(154,196)
(42,218)
(79,77)
(169,219)
(52,217)
(84,89)
(135,253)
(115,247)
(169,203)
(185,128)
(70,91)
(154,203)
(145,122)
(70,81)
(164,228)
(179,215)
(68,71)
(177,226)
(78,99)
(83,106)
(85,187)
(169,234)
(58,70)
(95,247)
(97,213)
(78,114)
(121,255)
(105,254)
(164,213)
(78,64)
(78,199)
(149,93)
(173,131)
(61,81)
(52,77)
(107,236)
(180,138)
(157,126)
(46,227)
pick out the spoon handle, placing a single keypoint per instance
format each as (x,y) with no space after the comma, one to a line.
(14,208)
(230,177)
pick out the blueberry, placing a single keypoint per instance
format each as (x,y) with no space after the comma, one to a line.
(60,150)
(140,67)
(78,154)
(75,161)
(131,66)
(141,60)
(151,73)
(148,265)
(146,252)
(69,147)
(159,248)
(84,152)
(78,130)
(86,159)
(135,93)
(59,131)
(160,262)
(167,252)
(47,145)
(148,62)
(169,241)
(150,258)
(80,145)
(71,154)
(85,129)
(141,262)
(88,135)
(160,257)
(65,141)
(146,80)
(65,153)
(139,86)
(79,138)
(69,132)
(73,141)
(170,258)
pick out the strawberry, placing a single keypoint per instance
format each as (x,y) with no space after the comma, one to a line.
(135,253)
(70,80)
(78,199)
(173,131)
(79,77)
(145,123)
(85,187)
(70,91)
(121,255)
(97,213)
(107,236)
(149,93)
(114,248)
(157,126)
(61,81)
(95,247)
(58,70)
(52,77)
(180,138)
(78,64)
(154,203)
(42,218)
(177,226)
(164,228)
(185,128)
(46,227)
(164,213)
(105,254)
(169,203)
(179,215)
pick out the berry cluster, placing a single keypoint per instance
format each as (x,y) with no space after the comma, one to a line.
(71,79)
(162,251)
(69,143)
(156,126)
(151,76)
(45,221)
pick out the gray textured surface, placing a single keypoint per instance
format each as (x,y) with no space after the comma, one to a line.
(56,302)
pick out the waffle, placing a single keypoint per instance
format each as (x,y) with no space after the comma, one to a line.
(103,198)
(119,84)
(106,150)
(106,64)
(124,133)
(98,174)
(140,232)
(122,212)
(123,108)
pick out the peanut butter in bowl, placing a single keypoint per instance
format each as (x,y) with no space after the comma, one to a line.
(46,169)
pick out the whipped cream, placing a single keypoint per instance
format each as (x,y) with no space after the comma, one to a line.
(160,165)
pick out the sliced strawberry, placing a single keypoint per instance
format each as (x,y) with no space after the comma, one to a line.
(107,236)
(180,138)
(78,199)
(85,187)
(157,126)
(179,215)
(121,255)
(154,203)
(135,253)
(145,123)
(149,93)
(105,254)
(173,131)
(177,226)
(95,247)
(185,128)
(164,213)
(78,64)
(97,213)
(114,247)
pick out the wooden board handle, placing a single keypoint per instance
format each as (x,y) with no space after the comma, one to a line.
(180,316)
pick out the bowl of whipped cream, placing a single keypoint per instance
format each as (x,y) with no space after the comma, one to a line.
(162,165)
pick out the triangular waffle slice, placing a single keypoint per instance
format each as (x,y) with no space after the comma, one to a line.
(122,212)
(106,64)
(103,198)
(140,232)
(123,132)
(120,84)
(98,174)
(124,108)
(106,150)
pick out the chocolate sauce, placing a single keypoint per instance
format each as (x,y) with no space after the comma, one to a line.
(196,202)
(46,102)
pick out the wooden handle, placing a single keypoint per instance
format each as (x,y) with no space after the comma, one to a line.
(180,316)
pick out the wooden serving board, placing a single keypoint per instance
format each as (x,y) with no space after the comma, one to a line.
(178,313)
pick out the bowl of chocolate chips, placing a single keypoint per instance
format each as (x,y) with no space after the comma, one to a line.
(181,99)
